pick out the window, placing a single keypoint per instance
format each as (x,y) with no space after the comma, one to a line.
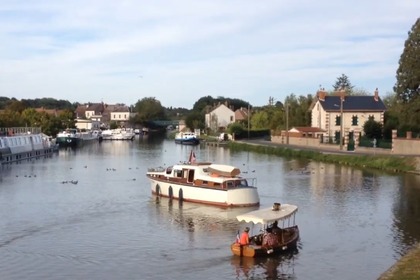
(231,118)
(337,120)
(371,118)
(354,120)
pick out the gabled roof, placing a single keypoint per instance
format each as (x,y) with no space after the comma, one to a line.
(241,114)
(221,105)
(352,103)
(120,109)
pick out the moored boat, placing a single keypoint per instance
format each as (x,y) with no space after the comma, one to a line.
(274,239)
(24,143)
(72,137)
(118,134)
(187,138)
(204,182)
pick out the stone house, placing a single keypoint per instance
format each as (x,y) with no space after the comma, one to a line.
(328,111)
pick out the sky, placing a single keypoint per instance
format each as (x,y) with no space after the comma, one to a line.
(179,51)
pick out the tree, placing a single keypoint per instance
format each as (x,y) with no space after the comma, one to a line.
(373,129)
(343,82)
(195,120)
(149,109)
(407,86)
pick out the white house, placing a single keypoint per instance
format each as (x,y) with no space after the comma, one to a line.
(328,110)
(120,114)
(219,118)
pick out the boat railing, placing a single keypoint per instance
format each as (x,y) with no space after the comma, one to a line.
(13,131)
(156,169)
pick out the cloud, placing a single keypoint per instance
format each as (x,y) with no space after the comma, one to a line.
(88,51)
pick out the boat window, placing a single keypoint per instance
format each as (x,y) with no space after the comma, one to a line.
(244,182)
(178,173)
(229,184)
(205,182)
(191,176)
(169,170)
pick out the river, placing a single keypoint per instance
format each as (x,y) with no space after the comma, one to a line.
(354,223)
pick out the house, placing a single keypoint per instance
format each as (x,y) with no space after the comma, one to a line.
(219,118)
(328,110)
(242,115)
(120,114)
(96,115)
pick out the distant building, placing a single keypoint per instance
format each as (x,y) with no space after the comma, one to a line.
(219,118)
(327,111)
(97,115)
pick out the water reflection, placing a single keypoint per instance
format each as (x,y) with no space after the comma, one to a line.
(197,217)
(278,267)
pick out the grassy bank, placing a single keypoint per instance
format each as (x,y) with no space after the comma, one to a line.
(383,162)
(407,268)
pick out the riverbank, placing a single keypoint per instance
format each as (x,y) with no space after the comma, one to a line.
(389,163)
(407,268)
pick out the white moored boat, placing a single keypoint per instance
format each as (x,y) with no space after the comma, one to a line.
(118,134)
(22,143)
(204,182)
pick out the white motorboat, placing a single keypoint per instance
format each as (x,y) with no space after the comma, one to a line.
(204,182)
(118,134)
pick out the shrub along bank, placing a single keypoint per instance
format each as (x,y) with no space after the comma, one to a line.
(383,162)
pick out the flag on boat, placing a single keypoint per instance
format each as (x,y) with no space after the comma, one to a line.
(192,157)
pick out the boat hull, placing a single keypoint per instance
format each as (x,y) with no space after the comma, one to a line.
(68,141)
(192,141)
(21,147)
(238,197)
(255,249)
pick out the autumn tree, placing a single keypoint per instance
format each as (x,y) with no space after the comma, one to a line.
(407,86)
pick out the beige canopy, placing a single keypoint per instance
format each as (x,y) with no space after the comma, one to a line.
(224,170)
(268,215)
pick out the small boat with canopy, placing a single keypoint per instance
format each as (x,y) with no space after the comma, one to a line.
(276,229)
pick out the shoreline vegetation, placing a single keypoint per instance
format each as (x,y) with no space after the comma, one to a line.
(408,266)
(382,162)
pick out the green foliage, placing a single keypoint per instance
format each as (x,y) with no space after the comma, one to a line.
(391,123)
(260,120)
(195,120)
(148,109)
(113,125)
(235,128)
(407,86)
(343,82)
(373,129)
(209,102)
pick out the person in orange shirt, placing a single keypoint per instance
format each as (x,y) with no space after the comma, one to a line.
(244,240)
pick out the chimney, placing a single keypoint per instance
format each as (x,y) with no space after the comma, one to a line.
(321,94)
(376,96)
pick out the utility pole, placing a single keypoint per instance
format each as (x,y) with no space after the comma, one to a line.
(249,113)
(342,92)
(287,123)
